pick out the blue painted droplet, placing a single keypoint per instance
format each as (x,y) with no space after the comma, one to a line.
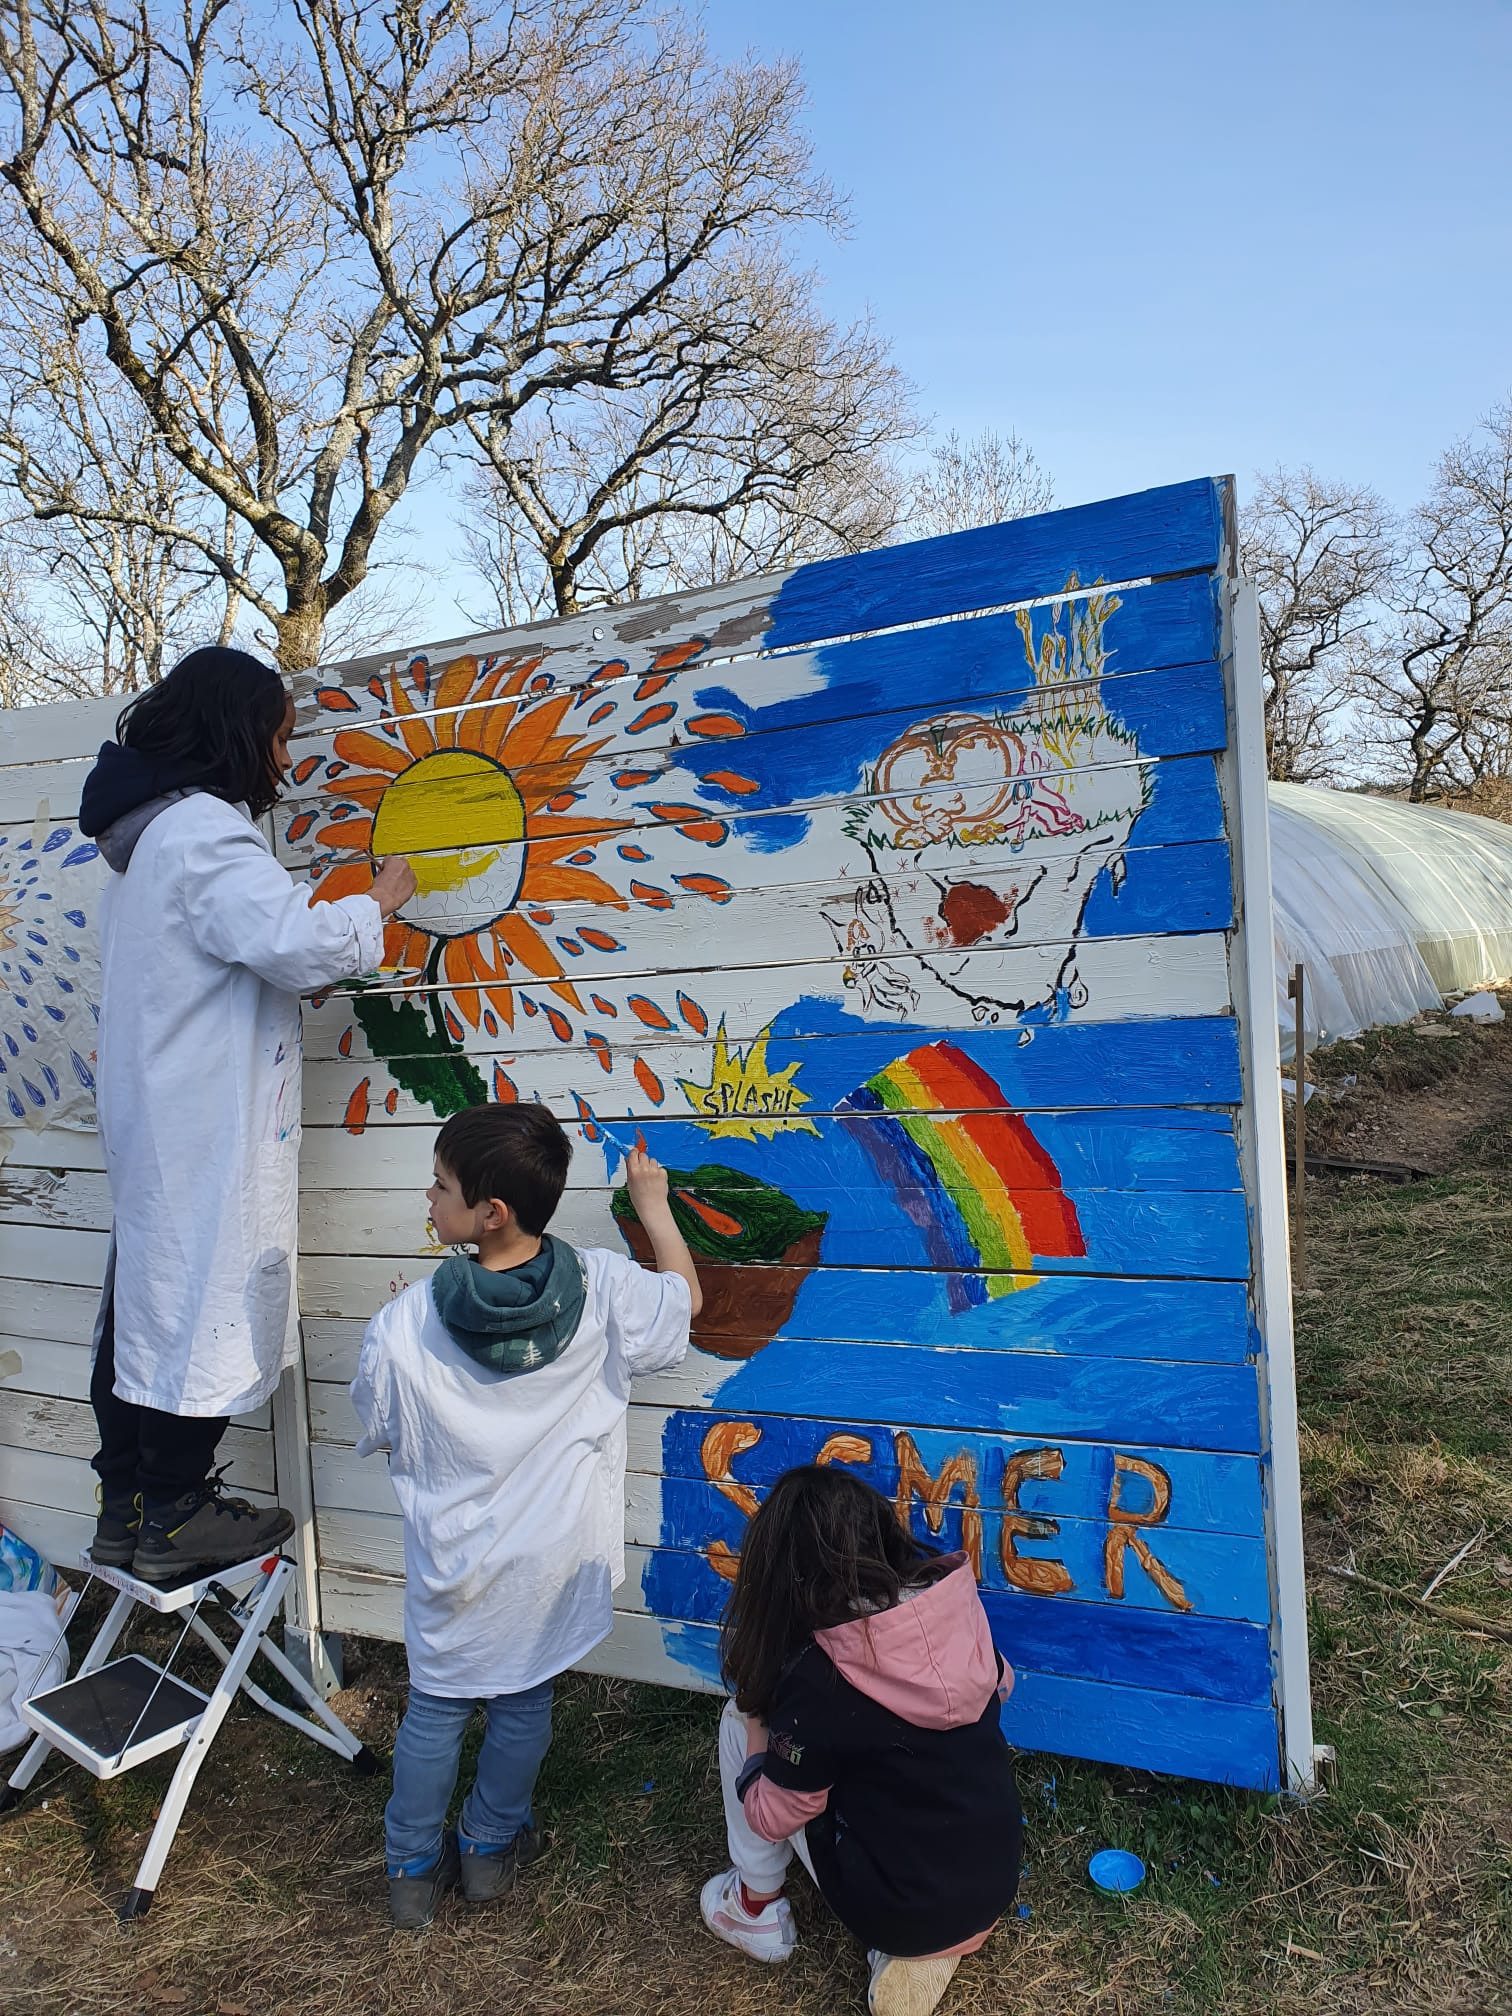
(88,852)
(56,838)
(76,917)
(82,1071)
(36,1096)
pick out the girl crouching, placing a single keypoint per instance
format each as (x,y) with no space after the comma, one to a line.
(863,1735)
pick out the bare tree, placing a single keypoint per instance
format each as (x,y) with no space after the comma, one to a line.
(1439,682)
(314,237)
(1321,555)
(768,436)
(977,482)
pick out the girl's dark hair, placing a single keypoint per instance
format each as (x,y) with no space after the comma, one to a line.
(823,1548)
(517,1153)
(212,722)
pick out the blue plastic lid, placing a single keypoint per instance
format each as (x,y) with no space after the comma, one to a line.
(1116,1869)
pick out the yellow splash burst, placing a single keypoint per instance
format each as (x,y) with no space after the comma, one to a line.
(744,1100)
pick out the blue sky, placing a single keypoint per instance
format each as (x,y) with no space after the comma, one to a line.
(1164,239)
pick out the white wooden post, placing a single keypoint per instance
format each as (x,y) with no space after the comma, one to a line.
(1263,1147)
(317,1656)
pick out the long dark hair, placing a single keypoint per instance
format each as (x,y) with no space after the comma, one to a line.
(823,1548)
(212,722)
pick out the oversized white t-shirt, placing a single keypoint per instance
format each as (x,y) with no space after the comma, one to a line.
(512,1486)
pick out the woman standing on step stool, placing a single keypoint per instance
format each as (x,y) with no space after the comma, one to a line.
(206,944)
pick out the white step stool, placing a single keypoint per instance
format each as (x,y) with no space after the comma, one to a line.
(117,1713)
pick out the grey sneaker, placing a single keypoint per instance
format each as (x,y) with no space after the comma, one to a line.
(206,1529)
(485,1878)
(117,1529)
(413,1899)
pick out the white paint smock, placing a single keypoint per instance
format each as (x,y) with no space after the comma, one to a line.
(206,945)
(512,1486)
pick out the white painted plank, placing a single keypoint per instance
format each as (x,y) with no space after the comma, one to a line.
(636,1650)
(72,1199)
(61,1372)
(53,1148)
(67,1428)
(732,617)
(37,1477)
(45,1309)
(25,787)
(756,920)
(373,1606)
(59,1533)
(43,1253)
(1125,979)
(64,728)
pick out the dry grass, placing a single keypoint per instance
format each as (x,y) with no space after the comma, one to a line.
(1394,1893)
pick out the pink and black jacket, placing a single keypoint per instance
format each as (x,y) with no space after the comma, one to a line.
(884,1749)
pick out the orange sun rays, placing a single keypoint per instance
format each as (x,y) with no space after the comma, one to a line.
(497,720)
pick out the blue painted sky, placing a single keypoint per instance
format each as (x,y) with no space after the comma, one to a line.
(1177,239)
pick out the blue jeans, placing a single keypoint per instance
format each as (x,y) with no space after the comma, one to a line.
(427,1752)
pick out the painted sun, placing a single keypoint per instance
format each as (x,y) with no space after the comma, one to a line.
(479,792)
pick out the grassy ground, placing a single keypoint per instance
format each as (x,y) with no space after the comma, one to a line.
(1393,1893)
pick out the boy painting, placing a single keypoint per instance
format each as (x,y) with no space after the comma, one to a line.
(499,1389)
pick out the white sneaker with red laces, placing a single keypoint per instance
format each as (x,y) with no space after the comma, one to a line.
(768,1934)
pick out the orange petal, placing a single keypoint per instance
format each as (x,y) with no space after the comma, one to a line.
(526,741)
(528,947)
(347,878)
(364,790)
(678,654)
(352,836)
(370,752)
(567,885)
(416,733)
(458,969)
(452,689)
(355,1117)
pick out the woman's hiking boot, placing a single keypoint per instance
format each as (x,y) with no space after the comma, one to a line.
(117,1530)
(413,1899)
(206,1529)
(487,1876)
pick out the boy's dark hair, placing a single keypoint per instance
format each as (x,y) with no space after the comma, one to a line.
(517,1153)
(823,1548)
(213,720)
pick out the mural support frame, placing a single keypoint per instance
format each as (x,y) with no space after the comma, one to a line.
(1263,1148)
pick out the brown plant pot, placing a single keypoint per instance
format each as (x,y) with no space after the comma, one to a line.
(743,1307)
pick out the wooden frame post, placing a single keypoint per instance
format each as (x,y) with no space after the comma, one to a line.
(1264,1149)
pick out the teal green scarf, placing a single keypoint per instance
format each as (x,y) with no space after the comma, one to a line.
(517,1320)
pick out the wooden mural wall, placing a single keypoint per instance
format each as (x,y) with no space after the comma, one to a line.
(897,903)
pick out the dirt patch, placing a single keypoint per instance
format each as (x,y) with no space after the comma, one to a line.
(1416,1095)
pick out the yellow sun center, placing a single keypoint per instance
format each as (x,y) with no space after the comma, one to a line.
(459,819)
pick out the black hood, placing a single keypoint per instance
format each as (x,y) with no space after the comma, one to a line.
(122,781)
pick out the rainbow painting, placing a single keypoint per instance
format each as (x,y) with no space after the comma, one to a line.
(966,1170)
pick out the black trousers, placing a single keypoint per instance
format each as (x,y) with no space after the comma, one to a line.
(163,1456)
